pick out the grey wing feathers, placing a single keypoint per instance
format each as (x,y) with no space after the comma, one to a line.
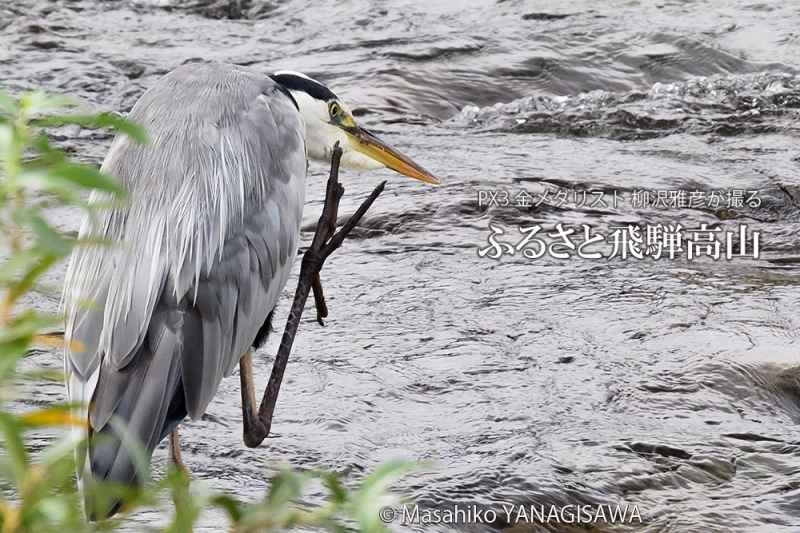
(142,397)
(205,242)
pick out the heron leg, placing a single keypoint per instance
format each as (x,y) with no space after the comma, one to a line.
(253,430)
(175,452)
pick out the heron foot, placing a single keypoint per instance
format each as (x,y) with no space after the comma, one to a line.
(253,429)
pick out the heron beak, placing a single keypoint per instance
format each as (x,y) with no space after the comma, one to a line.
(372,147)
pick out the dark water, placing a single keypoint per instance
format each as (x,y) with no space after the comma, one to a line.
(672,384)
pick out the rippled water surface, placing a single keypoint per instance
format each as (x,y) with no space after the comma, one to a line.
(670,384)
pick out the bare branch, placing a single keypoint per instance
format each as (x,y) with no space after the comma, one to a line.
(326,240)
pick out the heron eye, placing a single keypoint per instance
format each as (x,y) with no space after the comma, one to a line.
(335,110)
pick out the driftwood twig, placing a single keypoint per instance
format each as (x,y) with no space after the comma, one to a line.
(326,240)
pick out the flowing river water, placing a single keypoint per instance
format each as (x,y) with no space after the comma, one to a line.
(671,384)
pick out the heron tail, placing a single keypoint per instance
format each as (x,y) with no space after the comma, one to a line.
(131,411)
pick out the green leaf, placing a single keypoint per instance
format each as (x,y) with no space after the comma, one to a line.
(84,176)
(15,266)
(367,502)
(7,104)
(6,138)
(286,487)
(335,487)
(39,102)
(10,352)
(30,277)
(14,447)
(99,120)
(230,505)
(56,511)
(50,155)
(65,193)
(55,415)
(48,238)
(188,505)
(386,474)
(63,448)
(27,324)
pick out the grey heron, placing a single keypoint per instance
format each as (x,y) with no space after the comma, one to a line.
(205,243)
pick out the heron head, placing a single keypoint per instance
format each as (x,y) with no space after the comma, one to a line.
(329,120)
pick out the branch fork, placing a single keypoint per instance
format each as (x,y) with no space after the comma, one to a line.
(326,240)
